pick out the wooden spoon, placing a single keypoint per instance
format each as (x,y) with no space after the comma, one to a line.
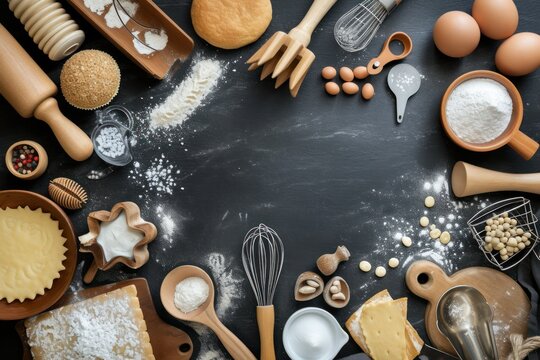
(205,314)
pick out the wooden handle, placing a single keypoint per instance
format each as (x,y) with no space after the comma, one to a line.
(523,145)
(91,273)
(316,12)
(426,279)
(376,65)
(265,320)
(74,141)
(469,180)
(233,344)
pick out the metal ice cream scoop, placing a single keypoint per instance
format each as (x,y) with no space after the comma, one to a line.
(404,81)
(465,318)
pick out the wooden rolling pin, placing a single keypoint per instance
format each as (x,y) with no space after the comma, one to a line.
(468,180)
(29,90)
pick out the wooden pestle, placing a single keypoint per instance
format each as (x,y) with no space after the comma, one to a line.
(468,180)
(29,90)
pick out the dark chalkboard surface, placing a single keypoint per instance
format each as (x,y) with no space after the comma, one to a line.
(322,171)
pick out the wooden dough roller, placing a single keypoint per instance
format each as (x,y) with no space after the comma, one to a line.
(29,90)
(468,180)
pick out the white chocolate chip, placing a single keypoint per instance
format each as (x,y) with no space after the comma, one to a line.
(380,271)
(406,241)
(445,237)
(393,263)
(429,202)
(365,266)
(435,233)
(424,221)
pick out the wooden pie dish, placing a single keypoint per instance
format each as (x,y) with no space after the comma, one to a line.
(19,310)
(89,242)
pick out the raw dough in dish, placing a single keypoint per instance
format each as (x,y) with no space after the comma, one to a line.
(231,24)
(31,253)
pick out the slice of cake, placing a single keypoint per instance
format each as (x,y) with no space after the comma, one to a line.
(108,326)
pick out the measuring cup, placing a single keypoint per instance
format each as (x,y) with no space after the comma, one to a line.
(521,143)
(107,118)
(376,65)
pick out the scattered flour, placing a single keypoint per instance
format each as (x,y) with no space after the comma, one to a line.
(159,178)
(188,96)
(117,16)
(97,6)
(150,41)
(167,226)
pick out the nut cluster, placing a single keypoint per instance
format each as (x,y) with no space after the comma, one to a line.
(504,235)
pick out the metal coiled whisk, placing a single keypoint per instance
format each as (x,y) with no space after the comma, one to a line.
(262,256)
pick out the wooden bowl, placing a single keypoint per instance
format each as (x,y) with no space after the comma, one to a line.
(40,168)
(17,310)
(89,242)
(521,143)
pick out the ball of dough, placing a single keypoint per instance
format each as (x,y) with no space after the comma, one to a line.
(231,24)
(365,266)
(90,79)
(429,202)
(393,263)
(380,271)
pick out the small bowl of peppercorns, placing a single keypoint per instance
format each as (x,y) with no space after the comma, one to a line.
(26,159)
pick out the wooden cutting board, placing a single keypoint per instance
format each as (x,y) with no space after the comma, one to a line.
(507,299)
(168,342)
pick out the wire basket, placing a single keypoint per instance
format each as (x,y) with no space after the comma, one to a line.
(517,208)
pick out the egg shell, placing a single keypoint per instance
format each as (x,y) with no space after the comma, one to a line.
(346,74)
(368,91)
(497,19)
(328,73)
(331,88)
(350,88)
(519,54)
(360,72)
(456,34)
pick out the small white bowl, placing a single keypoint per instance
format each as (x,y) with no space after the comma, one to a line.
(313,334)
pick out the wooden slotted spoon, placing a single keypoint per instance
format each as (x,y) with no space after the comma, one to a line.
(286,56)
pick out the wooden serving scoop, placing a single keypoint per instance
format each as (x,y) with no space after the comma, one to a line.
(205,314)
(468,180)
(286,56)
(29,90)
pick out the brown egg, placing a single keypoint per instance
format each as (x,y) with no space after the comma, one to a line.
(350,88)
(519,54)
(346,74)
(497,19)
(360,72)
(368,91)
(328,72)
(331,88)
(456,34)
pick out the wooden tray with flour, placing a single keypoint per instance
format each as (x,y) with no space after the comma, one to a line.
(158,63)
(168,342)
(508,301)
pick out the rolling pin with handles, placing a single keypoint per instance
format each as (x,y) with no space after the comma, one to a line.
(469,180)
(29,90)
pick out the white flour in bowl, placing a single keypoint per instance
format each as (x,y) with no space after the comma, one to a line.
(479,110)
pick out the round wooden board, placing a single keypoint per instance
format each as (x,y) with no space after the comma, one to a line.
(507,299)
(17,310)
(168,342)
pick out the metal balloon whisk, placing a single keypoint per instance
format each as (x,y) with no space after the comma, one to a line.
(262,256)
(355,30)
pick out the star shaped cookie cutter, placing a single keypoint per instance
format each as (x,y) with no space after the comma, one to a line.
(89,242)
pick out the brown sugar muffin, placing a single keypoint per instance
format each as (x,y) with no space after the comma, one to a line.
(90,79)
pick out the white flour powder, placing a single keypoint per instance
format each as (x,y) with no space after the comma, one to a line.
(158,179)
(479,110)
(188,96)
(126,9)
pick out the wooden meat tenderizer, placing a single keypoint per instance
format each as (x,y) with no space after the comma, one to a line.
(328,263)
(469,180)
(29,90)
(286,56)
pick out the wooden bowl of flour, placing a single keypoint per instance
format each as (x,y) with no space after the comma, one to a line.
(521,143)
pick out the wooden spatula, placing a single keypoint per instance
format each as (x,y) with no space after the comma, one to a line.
(286,56)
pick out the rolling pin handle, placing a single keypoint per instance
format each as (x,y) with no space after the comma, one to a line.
(74,141)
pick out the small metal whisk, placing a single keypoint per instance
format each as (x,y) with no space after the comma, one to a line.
(355,30)
(262,256)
